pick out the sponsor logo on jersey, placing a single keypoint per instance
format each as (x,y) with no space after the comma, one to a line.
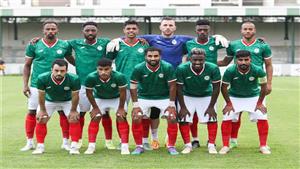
(145,76)
(238,50)
(49,87)
(113,85)
(256,50)
(161,75)
(140,50)
(211,48)
(188,77)
(82,47)
(41,50)
(99,48)
(206,77)
(251,78)
(67,88)
(235,78)
(59,51)
(98,85)
(174,42)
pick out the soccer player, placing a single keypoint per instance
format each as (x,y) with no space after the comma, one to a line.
(2,67)
(39,56)
(106,89)
(198,87)
(208,43)
(248,87)
(260,54)
(153,84)
(57,90)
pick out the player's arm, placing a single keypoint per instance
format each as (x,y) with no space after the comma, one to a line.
(172,95)
(95,110)
(136,110)
(228,107)
(183,110)
(42,115)
(74,115)
(215,93)
(121,111)
(226,60)
(263,92)
(70,59)
(26,75)
(269,71)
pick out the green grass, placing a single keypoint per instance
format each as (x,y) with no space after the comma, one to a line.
(283,111)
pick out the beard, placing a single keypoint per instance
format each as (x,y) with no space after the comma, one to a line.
(244,67)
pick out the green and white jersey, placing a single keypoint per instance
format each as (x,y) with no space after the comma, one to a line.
(58,92)
(153,84)
(87,56)
(259,50)
(211,49)
(128,57)
(43,56)
(244,85)
(197,84)
(106,89)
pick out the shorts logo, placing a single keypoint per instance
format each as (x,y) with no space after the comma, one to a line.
(66,88)
(206,77)
(256,50)
(174,42)
(140,50)
(59,51)
(113,85)
(251,78)
(161,75)
(211,48)
(99,48)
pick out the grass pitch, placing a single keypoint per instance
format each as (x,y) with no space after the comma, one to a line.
(283,113)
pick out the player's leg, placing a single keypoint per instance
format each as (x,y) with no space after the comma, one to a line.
(154,116)
(194,132)
(234,132)
(84,106)
(123,130)
(107,125)
(146,126)
(64,125)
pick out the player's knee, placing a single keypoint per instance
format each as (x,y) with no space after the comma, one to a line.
(155,112)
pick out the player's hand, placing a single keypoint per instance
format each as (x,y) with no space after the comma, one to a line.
(183,112)
(26,91)
(221,40)
(210,111)
(73,116)
(136,113)
(261,107)
(171,112)
(269,88)
(227,109)
(143,41)
(113,45)
(34,40)
(121,113)
(42,116)
(95,113)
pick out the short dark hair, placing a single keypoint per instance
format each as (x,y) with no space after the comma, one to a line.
(198,51)
(103,62)
(242,53)
(50,22)
(167,18)
(202,22)
(151,49)
(89,23)
(60,62)
(130,22)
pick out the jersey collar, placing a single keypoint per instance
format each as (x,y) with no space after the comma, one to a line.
(202,43)
(130,45)
(106,81)
(90,44)
(248,44)
(197,74)
(151,70)
(242,72)
(57,82)
(45,43)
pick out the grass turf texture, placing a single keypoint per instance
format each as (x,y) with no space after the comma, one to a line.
(283,110)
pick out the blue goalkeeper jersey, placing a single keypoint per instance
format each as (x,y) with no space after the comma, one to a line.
(172,48)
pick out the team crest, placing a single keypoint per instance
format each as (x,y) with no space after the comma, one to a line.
(140,50)
(174,42)
(206,78)
(256,50)
(161,75)
(66,88)
(251,78)
(99,48)
(59,51)
(211,48)
(113,85)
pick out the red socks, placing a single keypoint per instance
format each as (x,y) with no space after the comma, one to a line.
(146,126)
(212,128)
(107,125)
(64,124)
(226,130)
(30,123)
(172,133)
(75,131)
(137,132)
(123,129)
(235,127)
(194,126)
(41,132)
(81,121)
(263,130)
(185,132)
(93,131)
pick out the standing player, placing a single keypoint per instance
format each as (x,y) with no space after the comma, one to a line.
(58,90)
(208,43)
(153,84)
(244,94)
(260,54)
(198,88)
(40,56)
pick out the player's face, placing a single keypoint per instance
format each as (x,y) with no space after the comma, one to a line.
(202,31)
(153,58)
(243,63)
(50,30)
(131,31)
(167,27)
(248,30)
(104,72)
(197,61)
(90,32)
(59,72)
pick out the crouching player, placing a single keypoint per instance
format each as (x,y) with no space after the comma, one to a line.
(58,90)
(106,89)
(198,87)
(244,94)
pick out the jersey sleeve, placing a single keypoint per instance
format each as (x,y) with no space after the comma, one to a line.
(90,82)
(76,84)
(40,84)
(135,76)
(262,76)
(227,77)
(171,74)
(216,75)
(30,51)
(267,53)
(68,49)
(122,82)
(229,50)
(185,38)
(179,75)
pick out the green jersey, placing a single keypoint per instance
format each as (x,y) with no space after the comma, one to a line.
(128,57)
(259,50)
(244,85)
(106,89)
(153,84)
(210,47)
(197,84)
(87,56)
(43,56)
(58,92)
